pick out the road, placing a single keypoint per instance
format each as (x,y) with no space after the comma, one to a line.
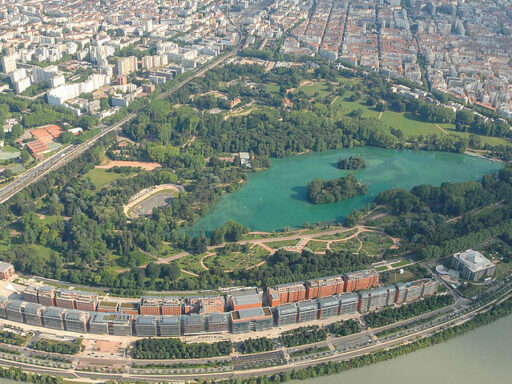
(71,152)
(55,161)
(361,349)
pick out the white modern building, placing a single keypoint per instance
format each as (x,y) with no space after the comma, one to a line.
(58,96)
(473,265)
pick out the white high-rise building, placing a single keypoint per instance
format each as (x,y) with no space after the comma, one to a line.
(58,96)
(50,76)
(9,63)
(127,65)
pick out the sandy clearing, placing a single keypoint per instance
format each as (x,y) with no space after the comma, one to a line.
(120,163)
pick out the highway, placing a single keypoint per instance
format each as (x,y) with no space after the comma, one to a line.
(71,152)
(353,351)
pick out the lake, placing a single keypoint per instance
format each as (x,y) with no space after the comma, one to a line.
(276,197)
(481,356)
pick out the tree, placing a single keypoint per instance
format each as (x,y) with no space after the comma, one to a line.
(381,106)
(66,137)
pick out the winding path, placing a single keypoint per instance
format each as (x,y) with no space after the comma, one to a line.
(303,238)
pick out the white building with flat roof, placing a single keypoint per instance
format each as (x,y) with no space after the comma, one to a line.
(473,265)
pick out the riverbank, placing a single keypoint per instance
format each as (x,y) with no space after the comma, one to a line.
(480,356)
(496,303)
(496,312)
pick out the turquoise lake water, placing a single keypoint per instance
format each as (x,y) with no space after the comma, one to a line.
(276,197)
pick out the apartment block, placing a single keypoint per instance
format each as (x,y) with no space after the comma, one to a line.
(291,292)
(6,270)
(328,307)
(307,311)
(193,324)
(76,321)
(324,287)
(253,319)
(127,65)
(286,314)
(358,280)
(169,326)
(244,299)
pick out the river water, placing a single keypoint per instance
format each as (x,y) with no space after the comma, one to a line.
(481,356)
(276,197)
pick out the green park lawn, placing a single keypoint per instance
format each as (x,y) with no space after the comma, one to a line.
(400,263)
(351,245)
(374,243)
(191,263)
(100,177)
(337,236)
(312,89)
(237,260)
(282,243)
(317,246)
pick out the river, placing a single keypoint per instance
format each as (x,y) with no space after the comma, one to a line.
(276,197)
(481,356)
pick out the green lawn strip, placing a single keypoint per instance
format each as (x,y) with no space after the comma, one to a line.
(272,88)
(382,221)
(282,243)
(351,245)
(192,263)
(258,236)
(165,250)
(100,177)
(318,87)
(400,263)
(237,260)
(396,277)
(503,269)
(51,219)
(316,246)
(338,236)
(485,139)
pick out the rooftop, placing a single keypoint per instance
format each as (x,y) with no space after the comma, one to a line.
(251,313)
(473,260)
(4,266)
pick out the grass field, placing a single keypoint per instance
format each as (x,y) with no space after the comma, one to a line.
(320,88)
(282,243)
(100,177)
(316,246)
(337,236)
(401,264)
(374,243)
(351,245)
(503,269)
(382,268)
(485,139)
(256,236)
(191,263)
(397,277)
(165,250)
(237,260)
(3,245)
(52,219)
(273,88)
(382,221)
(408,124)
